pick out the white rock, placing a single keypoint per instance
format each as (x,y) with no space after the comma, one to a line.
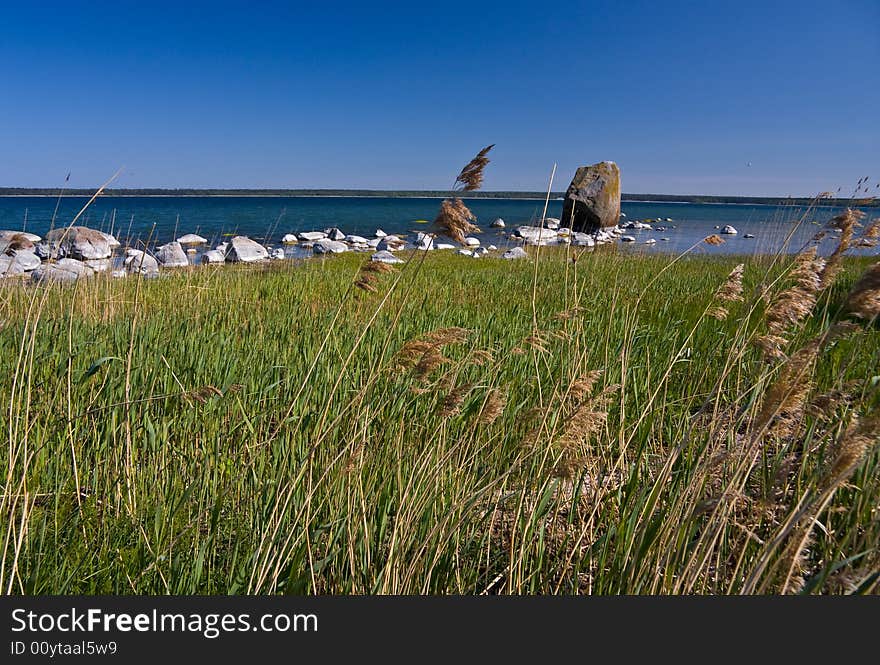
(582,240)
(464,252)
(551,223)
(391,243)
(213,256)
(515,253)
(374,242)
(534,235)
(222,247)
(443,245)
(729,230)
(243,249)
(289,239)
(492,248)
(98,265)
(627,239)
(385,257)
(650,241)
(140,263)
(424,241)
(20,259)
(357,240)
(472,242)
(65,270)
(480,251)
(327,246)
(172,255)
(380,233)
(312,236)
(748,235)
(335,234)
(192,239)
(277,253)
(497,224)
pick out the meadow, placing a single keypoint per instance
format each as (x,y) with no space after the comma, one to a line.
(599,422)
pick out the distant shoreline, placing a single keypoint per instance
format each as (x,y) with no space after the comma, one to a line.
(19,192)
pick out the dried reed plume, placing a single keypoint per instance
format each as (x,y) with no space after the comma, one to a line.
(786,398)
(368,275)
(538,341)
(456,220)
(471,176)
(493,407)
(451,404)
(730,291)
(846,221)
(864,299)
(713,239)
(586,422)
(860,437)
(872,231)
(425,354)
(790,307)
(582,386)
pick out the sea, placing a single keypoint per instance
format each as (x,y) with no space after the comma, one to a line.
(677,227)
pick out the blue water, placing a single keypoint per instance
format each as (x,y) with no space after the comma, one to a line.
(160,219)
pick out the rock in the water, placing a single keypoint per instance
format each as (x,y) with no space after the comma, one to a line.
(312,236)
(729,230)
(289,239)
(515,253)
(492,248)
(244,250)
(385,257)
(140,263)
(424,241)
(79,242)
(497,224)
(65,270)
(327,246)
(335,234)
(172,255)
(390,243)
(356,240)
(464,252)
(472,242)
(748,235)
(213,256)
(551,223)
(192,239)
(480,251)
(380,233)
(277,253)
(592,201)
(111,240)
(627,239)
(650,241)
(535,235)
(444,245)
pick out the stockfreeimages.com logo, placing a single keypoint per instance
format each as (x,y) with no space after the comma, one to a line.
(210,626)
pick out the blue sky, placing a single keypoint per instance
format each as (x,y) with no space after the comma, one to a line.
(397,95)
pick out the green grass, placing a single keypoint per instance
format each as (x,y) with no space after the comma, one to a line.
(251,430)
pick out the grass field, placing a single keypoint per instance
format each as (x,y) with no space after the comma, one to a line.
(456,426)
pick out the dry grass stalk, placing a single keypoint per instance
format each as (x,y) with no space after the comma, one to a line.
(471,176)
(538,341)
(493,407)
(864,298)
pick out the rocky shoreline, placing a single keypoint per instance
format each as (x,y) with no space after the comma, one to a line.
(72,253)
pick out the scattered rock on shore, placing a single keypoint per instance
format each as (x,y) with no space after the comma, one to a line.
(515,253)
(80,242)
(385,256)
(65,270)
(327,246)
(192,239)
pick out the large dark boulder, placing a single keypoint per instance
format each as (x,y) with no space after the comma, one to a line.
(592,201)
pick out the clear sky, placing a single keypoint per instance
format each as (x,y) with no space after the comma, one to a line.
(683,96)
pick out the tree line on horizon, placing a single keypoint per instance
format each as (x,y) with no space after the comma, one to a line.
(659,198)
